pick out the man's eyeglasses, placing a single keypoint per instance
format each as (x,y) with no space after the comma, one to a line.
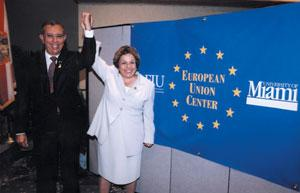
(58,36)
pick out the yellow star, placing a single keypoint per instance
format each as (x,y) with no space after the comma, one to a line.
(216,124)
(203,50)
(175,103)
(200,125)
(236,92)
(229,112)
(220,55)
(232,71)
(176,68)
(184,118)
(172,85)
(187,55)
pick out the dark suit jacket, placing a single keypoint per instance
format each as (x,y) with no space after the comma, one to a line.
(34,101)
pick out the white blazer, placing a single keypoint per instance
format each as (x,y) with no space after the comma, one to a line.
(136,107)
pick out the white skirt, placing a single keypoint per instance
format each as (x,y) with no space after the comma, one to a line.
(114,165)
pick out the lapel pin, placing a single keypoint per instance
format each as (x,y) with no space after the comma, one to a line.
(59,64)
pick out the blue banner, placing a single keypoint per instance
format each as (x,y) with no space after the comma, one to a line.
(227,88)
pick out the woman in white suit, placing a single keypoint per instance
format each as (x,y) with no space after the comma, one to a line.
(123,122)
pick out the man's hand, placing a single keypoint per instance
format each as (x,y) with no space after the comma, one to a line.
(22,140)
(86,21)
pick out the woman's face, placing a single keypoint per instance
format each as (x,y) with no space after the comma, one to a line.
(127,66)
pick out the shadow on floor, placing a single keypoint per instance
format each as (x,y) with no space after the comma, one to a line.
(17,175)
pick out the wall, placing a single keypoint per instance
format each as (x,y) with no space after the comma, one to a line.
(106,14)
(25,18)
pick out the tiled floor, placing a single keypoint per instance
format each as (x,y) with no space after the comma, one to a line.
(19,177)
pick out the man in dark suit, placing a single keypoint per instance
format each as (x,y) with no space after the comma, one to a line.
(47,95)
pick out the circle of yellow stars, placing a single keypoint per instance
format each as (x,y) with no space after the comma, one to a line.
(236,92)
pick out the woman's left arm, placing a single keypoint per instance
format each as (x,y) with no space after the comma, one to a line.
(148,113)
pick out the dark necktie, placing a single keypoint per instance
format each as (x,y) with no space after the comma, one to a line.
(51,72)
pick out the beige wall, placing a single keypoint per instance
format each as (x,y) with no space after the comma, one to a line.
(107,14)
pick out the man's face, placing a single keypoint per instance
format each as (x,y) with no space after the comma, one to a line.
(53,39)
